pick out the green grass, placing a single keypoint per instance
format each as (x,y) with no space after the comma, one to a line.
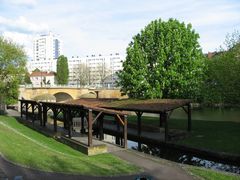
(211,174)
(27,147)
(221,136)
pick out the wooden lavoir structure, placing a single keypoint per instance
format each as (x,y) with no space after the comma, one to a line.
(161,107)
(94,110)
(93,114)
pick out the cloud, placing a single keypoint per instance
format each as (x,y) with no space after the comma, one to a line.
(28,3)
(103,26)
(21,24)
(22,39)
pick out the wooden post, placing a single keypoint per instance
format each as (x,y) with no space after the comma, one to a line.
(65,124)
(164,118)
(33,116)
(125,132)
(26,111)
(82,121)
(139,130)
(40,113)
(189,117)
(90,119)
(69,120)
(21,108)
(160,119)
(101,137)
(44,115)
(117,140)
(55,119)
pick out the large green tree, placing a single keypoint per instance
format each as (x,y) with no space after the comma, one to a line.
(222,82)
(163,61)
(62,70)
(12,69)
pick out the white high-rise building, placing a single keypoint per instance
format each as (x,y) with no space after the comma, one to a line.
(46,50)
(97,69)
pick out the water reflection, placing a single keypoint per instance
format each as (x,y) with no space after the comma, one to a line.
(184,158)
(210,114)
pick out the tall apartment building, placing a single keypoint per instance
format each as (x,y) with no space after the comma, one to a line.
(95,70)
(46,50)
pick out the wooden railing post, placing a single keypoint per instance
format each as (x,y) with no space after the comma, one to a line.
(90,119)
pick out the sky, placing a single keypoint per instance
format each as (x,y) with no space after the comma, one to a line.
(88,27)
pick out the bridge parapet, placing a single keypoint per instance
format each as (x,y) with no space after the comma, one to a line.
(65,93)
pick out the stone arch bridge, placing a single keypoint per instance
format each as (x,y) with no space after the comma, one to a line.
(67,93)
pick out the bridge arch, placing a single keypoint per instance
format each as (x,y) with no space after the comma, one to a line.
(62,96)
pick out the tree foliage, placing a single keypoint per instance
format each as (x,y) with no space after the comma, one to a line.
(222,81)
(163,61)
(103,72)
(62,70)
(27,79)
(12,68)
(81,74)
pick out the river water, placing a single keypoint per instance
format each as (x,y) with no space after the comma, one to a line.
(185,158)
(208,114)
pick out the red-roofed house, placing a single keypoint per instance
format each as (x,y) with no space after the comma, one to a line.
(42,78)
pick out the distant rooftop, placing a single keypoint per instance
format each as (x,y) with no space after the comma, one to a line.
(43,73)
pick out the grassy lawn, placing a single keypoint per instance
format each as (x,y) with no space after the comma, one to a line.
(211,174)
(221,136)
(27,147)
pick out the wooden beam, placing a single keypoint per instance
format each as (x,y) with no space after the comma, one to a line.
(186,111)
(119,119)
(99,114)
(90,118)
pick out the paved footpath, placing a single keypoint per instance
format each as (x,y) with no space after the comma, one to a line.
(153,167)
